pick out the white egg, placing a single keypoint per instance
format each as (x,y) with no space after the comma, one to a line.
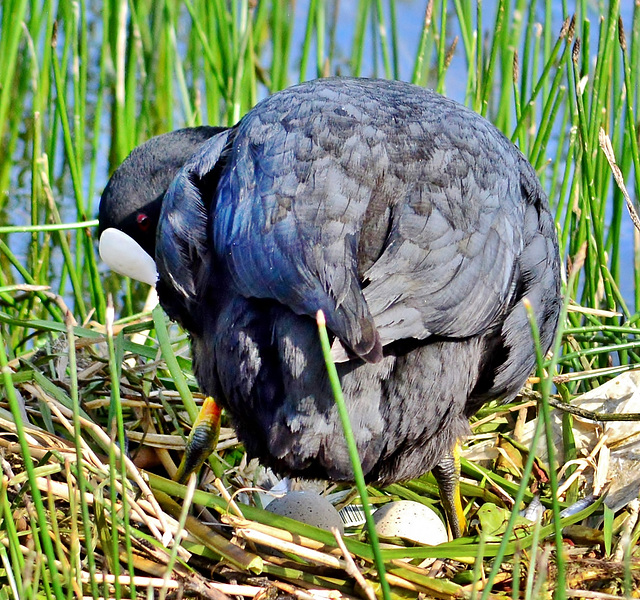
(309,508)
(412,521)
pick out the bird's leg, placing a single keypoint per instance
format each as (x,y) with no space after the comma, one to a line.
(202,440)
(447,474)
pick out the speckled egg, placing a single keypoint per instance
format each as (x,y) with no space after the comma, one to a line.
(412,521)
(309,508)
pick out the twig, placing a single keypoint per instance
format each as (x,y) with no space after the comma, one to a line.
(590,594)
(625,537)
(314,556)
(46,291)
(132,470)
(592,415)
(138,580)
(281,534)
(310,594)
(225,494)
(583,464)
(605,144)
(351,568)
(596,312)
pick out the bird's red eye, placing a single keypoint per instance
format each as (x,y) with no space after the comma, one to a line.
(143,221)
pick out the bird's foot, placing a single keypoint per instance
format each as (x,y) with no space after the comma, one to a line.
(202,440)
(447,474)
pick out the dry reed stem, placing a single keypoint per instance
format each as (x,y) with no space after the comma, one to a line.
(132,470)
(605,144)
(352,568)
(271,541)
(281,534)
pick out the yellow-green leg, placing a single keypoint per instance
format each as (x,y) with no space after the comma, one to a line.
(447,474)
(202,440)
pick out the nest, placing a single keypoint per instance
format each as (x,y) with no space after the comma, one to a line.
(117,521)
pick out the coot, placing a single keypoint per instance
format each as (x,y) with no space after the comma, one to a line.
(411,221)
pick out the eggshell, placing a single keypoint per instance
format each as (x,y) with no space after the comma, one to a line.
(309,508)
(412,521)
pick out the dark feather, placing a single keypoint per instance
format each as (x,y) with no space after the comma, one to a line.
(412,222)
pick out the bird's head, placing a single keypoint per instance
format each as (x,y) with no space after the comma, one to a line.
(130,204)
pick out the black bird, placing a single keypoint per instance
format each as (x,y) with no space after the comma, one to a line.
(411,221)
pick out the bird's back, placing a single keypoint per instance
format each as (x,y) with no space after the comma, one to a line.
(416,226)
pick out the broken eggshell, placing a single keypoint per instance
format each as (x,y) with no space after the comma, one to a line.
(309,508)
(411,521)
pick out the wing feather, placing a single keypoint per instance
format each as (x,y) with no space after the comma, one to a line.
(182,248)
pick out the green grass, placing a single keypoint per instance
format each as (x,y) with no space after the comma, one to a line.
(80,87)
